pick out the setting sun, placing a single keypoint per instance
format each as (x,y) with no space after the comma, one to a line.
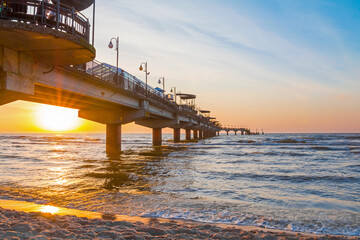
(54,118)
(49,209)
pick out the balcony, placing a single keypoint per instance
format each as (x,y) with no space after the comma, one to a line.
(54,34)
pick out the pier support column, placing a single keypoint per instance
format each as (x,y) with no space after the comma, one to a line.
(188,134)
(235,133)
(176,135)
(113,138)
(195,134)
(227,132)
(201,134)
(242,132)
(157,137)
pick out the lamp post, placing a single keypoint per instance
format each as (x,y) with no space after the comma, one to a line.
(93,27)
(173,89)
(141,68)
(163,82)
(111,45)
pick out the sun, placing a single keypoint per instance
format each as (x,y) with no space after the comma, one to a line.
(54,118)
(49,209)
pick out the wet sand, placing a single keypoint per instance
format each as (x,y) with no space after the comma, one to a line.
(40,222)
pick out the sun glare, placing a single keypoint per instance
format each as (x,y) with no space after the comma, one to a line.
(54,118)
(49,209)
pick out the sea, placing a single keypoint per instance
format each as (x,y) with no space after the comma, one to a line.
(299,182)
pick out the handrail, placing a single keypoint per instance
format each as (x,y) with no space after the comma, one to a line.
(58,16)
(123,81)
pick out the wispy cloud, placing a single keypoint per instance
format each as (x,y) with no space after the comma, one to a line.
(297,49)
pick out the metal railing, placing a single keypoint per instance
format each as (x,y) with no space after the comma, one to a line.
(123,81)
(43,13)
(126,82)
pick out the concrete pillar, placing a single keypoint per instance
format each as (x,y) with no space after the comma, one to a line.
(113,138)
(157,137)
(188,134)
(195,134)
(201,134)
(227,132)
(235,133)
(242,132)
(176,135)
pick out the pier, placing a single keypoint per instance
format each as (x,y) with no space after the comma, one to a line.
(51,61)
(243,131)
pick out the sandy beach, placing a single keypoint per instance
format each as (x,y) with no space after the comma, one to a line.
(41,226)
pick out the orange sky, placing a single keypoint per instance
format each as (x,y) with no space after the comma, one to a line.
(21,117)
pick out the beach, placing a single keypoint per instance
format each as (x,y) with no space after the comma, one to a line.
(41,226)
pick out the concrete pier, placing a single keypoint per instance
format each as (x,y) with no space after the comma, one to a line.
(187,134)
(113,138)
(201,134)
(176,135)
(157,137)
(195,134)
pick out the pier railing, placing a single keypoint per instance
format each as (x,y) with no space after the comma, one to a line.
(57,16)
(126,82)
(123,81)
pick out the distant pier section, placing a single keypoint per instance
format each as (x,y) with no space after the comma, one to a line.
(243,131)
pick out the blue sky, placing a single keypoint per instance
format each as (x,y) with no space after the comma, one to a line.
(277,64)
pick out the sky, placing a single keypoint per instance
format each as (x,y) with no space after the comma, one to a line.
(278,65)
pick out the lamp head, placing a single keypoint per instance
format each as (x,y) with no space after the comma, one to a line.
(171,90)
(140,68)
(159,82)
(111,45)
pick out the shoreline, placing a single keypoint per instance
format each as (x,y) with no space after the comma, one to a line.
(18,216)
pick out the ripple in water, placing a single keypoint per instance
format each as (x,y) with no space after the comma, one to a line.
(301,182)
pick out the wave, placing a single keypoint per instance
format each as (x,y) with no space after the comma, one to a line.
(353,137)
(246,141)
(295,178)
(294,154)
(290,141)
(323,226)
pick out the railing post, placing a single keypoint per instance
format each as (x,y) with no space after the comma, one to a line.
(42,12)
(57,14)
(88,30)
(72,19)
(2,8)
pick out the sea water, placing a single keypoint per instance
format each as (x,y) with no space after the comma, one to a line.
(300,182)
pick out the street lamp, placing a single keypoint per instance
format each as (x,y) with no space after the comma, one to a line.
(163,82)
(144,69)
(173,89)
(111,45)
